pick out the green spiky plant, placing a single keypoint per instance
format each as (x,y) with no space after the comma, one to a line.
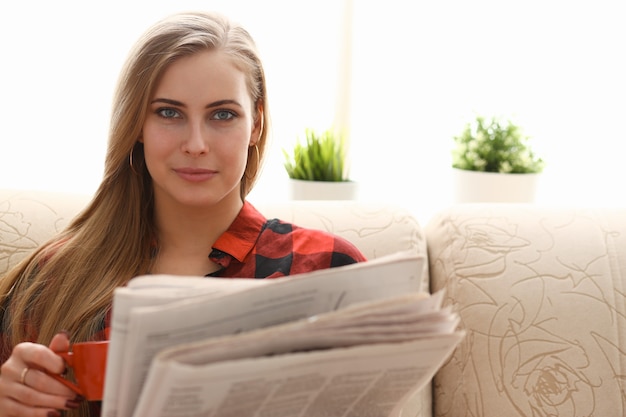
(494,146)
(321,158)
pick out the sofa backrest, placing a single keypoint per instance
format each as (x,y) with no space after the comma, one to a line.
(29,218)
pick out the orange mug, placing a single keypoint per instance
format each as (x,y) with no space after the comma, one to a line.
(88,361)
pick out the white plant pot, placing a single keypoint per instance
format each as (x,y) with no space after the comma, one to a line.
(322,190)
(475,187)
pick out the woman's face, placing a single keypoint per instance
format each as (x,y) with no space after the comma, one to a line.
(197,132)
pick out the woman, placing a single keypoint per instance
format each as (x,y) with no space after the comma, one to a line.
(188,134)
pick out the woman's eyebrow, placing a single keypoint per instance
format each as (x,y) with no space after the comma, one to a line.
(210,105)
(222,103)
(168,101)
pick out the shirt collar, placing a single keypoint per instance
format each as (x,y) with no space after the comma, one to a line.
(242,234)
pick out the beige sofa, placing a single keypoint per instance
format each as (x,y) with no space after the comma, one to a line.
(540,291)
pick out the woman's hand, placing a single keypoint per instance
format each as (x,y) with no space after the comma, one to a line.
(25,390)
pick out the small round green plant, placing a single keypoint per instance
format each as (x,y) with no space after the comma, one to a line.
(321,158)
(494,146)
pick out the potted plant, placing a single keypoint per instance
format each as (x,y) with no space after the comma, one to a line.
(318,168)
(493,161)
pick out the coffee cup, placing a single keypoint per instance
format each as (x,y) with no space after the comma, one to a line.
(88,361)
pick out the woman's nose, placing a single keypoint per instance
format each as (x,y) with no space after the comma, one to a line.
(196,140)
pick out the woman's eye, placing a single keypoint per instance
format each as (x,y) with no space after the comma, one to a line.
(168,113)
(223,115)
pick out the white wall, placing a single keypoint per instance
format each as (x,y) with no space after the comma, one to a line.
(423,69)
(59,71)
(420,70)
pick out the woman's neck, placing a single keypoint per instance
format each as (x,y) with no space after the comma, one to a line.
(186,235)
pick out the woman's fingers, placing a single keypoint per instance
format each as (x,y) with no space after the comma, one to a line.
(18,399)
(11,408)
(30,401)
(26,388)
(60,342)
(42,382)
(36,356)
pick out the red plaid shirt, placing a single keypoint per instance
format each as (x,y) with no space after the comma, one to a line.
(254,247)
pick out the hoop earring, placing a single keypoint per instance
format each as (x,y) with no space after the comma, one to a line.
(261,131)
(130,160)
(258,162)
(258,156)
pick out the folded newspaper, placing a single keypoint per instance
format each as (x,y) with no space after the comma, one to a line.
(349,341)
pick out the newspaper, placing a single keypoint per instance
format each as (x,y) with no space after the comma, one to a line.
(188,346)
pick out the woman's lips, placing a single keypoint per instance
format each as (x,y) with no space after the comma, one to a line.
(195,174)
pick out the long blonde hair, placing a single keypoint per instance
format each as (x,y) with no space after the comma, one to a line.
(67,284)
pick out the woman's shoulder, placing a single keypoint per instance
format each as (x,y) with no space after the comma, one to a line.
(309,241)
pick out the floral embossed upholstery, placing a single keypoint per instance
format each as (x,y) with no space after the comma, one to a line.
(28,219)
(541,293)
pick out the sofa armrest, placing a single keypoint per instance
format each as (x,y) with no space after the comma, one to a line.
(541,294)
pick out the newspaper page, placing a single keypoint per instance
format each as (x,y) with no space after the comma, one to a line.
(154,291)
(364,361)
(140,330)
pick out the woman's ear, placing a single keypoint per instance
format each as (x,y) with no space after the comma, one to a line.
(257,129)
